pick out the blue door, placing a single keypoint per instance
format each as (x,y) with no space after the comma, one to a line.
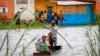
(49,15)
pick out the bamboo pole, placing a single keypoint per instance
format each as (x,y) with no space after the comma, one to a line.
(65,40)
(57,32)
(62,37)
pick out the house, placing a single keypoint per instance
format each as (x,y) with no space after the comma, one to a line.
(22,4)
(6,9)
(75,12)
(96,5)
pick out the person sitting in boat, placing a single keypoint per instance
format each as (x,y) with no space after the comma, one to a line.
(41,44)
(50,40)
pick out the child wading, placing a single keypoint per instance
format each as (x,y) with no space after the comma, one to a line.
(53,29)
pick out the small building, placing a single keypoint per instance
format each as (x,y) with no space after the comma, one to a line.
(75,12)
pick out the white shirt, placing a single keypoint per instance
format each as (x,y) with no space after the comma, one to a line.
(55,18)
(27,20)
(45,15)
(54,31)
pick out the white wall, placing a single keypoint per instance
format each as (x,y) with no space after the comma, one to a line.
(26,13)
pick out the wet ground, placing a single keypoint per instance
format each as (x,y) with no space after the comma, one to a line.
(76,36)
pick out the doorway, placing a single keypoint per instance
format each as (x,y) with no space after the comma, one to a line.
(49,14)
(50,9)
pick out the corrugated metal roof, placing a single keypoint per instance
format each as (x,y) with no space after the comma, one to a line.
(71,3)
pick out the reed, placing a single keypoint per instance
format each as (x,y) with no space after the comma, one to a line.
(94,41)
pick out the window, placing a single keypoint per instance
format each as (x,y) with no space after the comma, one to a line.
(78,9)
(22,1)
(98,0)
(3,10)
(67,9)
(50,9)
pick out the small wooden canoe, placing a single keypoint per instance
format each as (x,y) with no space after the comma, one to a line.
(54,48)
(41,54)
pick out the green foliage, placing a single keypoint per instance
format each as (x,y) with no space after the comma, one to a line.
(33,24)
(18,44)
(94,44)
(98,18)
(34,38)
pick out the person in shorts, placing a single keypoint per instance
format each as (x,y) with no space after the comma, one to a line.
(27,21)
(17,20)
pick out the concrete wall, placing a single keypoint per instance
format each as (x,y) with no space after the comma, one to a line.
(60,8)
(80,19)
(27,13)
(41,5)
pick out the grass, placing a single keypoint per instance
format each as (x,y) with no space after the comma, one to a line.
(33,24)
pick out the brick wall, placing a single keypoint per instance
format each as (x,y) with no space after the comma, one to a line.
(10,5)
(98,7)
